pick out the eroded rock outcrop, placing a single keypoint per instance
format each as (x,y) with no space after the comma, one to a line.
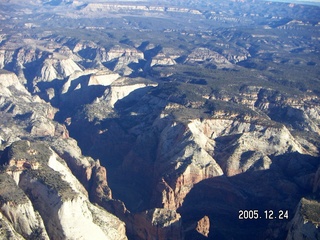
(100,188)
(31,115)
(201,55)
(203,226)
(60,199)
(9,79)
(305,224)
(17,209)
(56,68)
(162,59)
(124,86)
(7,231)
(122,58)
(90,84)
(157,224)
(207,130)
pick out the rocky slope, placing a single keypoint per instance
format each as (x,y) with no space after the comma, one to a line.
(305,222)
(159,122)
(60,203)
(35,179)
(180,152)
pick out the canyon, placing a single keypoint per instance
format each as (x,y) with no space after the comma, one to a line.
(148,120)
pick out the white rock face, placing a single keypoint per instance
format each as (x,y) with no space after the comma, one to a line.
(184,163)
(70,216)
(107,7)
(123,87)
(66,174)
(122,57)
(118,51)
(23,218)
(261,140)
(90,77)
(93,222)
(6,56)
(65,51)
(60,207)
(162,60)
(110,225)
(18,210)
(17,102)
(188,153)
(204,54)
(8,79)
(119,92)
(238,55)
(7,231)
(70,148)
(56,68)
(42,127)
(77,221)
(70,81)
(103,78)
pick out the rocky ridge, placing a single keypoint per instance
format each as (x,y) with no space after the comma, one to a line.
(187,132)
(32,170)
(305,223)
(58,199)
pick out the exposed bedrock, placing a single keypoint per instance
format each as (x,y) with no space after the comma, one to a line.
(160,160)
(305,224)
(60,206)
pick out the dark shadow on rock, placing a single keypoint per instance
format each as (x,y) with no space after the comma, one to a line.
(281,187)
(30,71)
(149,54)
(56,85)
(111,64)
(131,99)
(73,100)
(84,95)
(23,117)
(88,53)
(136,67)
(143,46)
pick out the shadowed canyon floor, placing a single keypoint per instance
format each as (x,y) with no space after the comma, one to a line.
(159,120)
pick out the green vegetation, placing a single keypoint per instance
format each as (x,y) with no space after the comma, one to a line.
(310,210)
(53,181)
(36,152)
(30,151)
(9,191)
(36,234)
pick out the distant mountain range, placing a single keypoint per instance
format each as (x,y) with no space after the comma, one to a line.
(171,119)
(314,2)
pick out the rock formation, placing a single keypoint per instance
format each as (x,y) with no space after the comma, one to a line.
(157,224)
(203,226)
(60,199)
(305,223)
(201,55)
(158,121)
(17,209)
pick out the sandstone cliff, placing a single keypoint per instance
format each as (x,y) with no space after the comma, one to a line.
(183,152)
(62,202)
(17,209)
(181,113)
(56,68)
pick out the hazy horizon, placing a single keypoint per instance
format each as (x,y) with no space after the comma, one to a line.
(312,2)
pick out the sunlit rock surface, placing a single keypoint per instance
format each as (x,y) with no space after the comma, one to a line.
(159,120)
